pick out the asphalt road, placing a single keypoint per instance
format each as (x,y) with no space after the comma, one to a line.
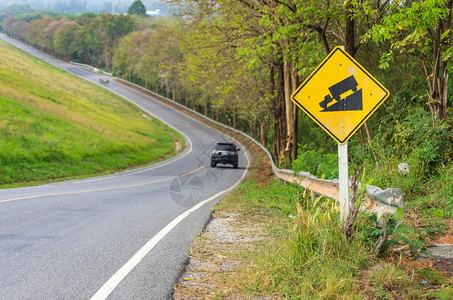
(123,236)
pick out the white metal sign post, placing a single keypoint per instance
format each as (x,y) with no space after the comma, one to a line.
(343,193)
(340,95)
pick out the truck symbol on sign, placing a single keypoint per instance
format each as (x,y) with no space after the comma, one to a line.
(352,102)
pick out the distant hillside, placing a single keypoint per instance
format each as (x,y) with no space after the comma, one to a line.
(54,125)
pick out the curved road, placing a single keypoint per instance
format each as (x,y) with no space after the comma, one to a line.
(123,236)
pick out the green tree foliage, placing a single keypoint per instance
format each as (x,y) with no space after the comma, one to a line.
(137,8)
(105,31)
(161,60)
(18,9)
(272,41)
(37,35)
(239,61)
(424,31)
(66,39)
(88,38)
(131,48)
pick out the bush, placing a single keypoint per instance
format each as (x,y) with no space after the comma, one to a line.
(415,137)
(419,139)
(316,162)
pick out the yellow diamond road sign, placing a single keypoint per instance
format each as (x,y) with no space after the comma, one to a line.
(340,95)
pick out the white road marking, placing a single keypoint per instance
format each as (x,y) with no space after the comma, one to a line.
(115,280)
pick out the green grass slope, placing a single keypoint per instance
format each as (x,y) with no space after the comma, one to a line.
(55,126)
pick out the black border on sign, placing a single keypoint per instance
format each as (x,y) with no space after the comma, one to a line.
(338,48)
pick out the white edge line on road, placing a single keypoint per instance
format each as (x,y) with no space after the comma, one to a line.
(115,280)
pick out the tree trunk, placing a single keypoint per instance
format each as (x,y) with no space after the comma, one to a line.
(291,138)
(278,105)
(350,46)
(254,130)
(296,110)
(439,83)
(263,133)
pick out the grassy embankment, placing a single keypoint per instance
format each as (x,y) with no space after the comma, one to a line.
(290,246)
(55,126)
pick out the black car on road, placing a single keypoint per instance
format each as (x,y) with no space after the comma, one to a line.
(225,153)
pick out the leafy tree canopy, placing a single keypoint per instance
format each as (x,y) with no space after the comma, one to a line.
(17,9)
(137,8)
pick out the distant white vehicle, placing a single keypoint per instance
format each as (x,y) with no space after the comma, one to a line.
(153,13)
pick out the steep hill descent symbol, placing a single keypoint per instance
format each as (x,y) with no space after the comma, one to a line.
(350,103)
